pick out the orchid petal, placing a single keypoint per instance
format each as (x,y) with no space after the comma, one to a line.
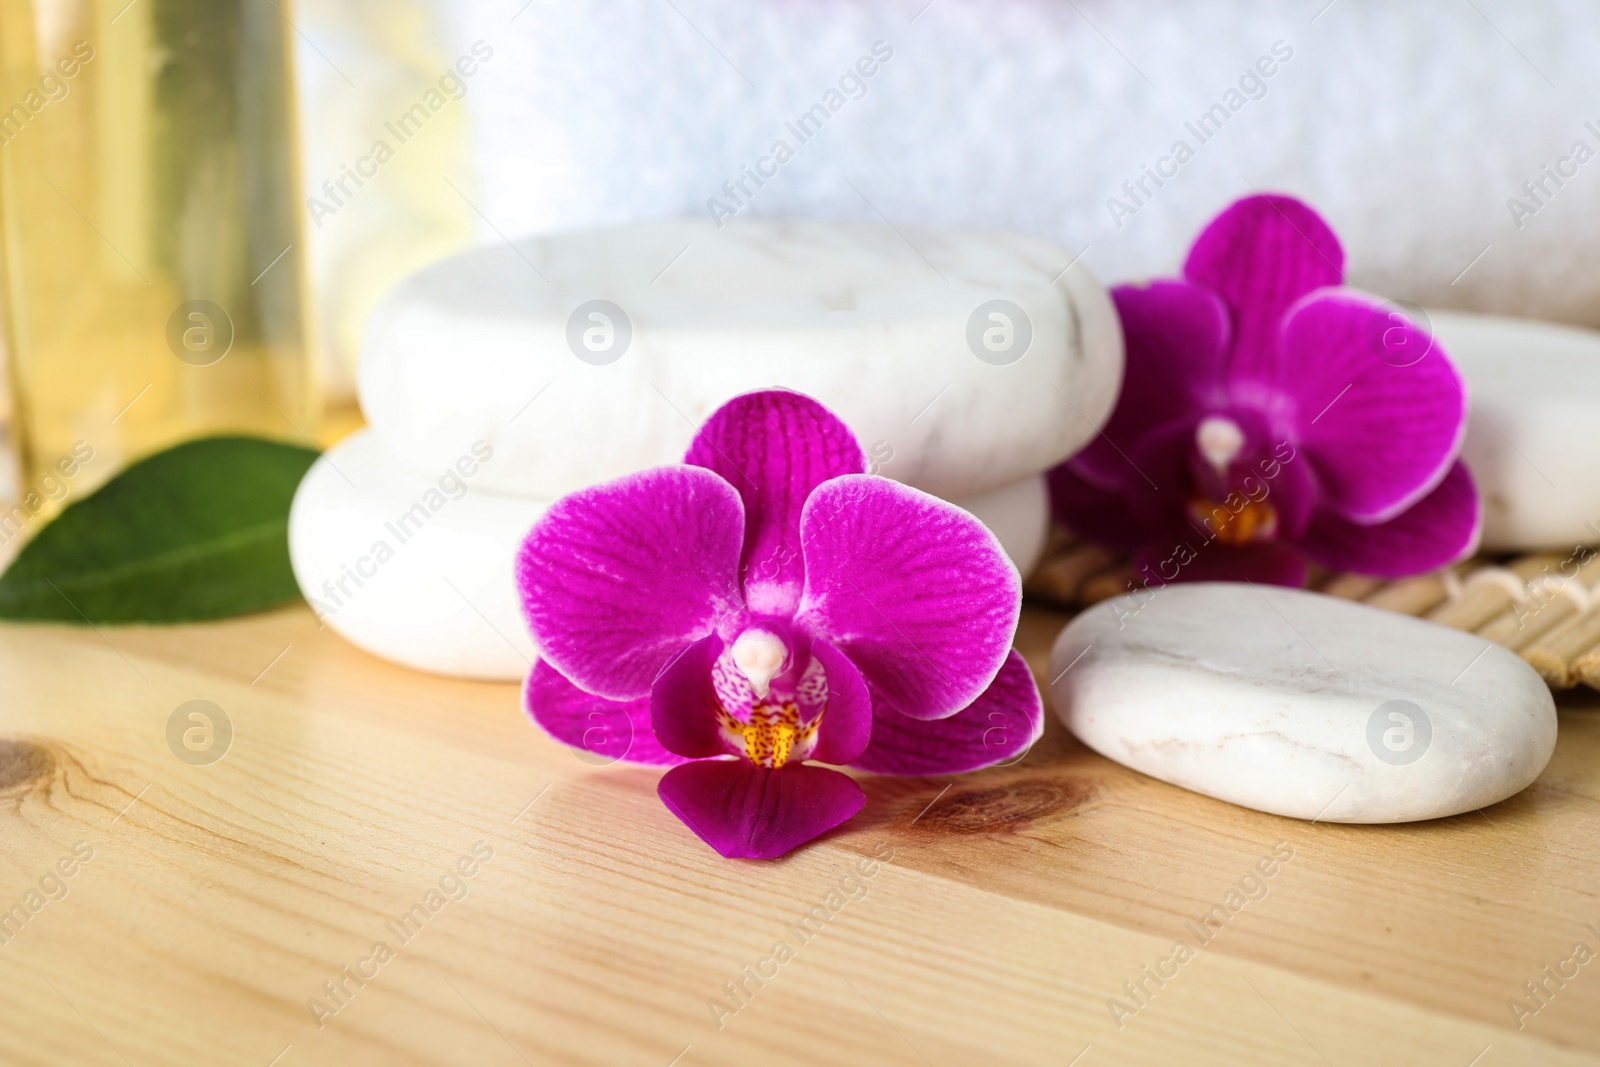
(1103,514)
(616,579)
(1291,487)
(847,720)
(611,730)
(774,447)
(1384,411)
(918,593)
(683,702)
(1261,255)
(1176,336)
(1000,725)
(1150,503)
(749,812)
(1436,531)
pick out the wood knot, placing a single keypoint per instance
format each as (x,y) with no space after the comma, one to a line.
(22,763)
(1002,808)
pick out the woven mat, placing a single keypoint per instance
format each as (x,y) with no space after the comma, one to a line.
(1545,607)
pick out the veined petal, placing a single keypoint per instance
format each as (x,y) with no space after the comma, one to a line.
(1383,411)
(749,812)
(918,593)
(1261,255)
(1000,725)
(615,580)
(610,729)
(774,447)
(847,719)
(1436,531)
(1177,337)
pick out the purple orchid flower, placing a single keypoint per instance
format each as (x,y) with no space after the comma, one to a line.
(1268,418)
(765,605)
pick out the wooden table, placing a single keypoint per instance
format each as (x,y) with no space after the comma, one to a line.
(1005,909)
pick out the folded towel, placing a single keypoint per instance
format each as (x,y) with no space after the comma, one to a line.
(1442,139)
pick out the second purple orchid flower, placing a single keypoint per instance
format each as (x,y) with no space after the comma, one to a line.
(766,607)
(1269,417)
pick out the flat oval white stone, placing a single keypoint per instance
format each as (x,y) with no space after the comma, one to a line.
(420,572)
(1302,704)
(412,571)
(884,326)
(1534,432)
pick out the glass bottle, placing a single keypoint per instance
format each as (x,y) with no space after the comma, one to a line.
(150,232)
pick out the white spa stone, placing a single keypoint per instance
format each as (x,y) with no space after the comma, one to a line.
(1302,704)
(874,322)
(1533,439)
(434,591)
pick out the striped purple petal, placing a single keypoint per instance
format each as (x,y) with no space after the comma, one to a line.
(1177,340)
(1261,255)
(1000,725)
(607,730)
(916,592)
(774,447)
(1436,531)
(615,580)
(1383,410)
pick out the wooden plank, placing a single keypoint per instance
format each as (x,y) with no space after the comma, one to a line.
(1002,912)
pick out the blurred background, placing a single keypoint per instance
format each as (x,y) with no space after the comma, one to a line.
(201,201)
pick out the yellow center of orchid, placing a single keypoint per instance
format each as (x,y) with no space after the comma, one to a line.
(1255,520)
(769,735)
(772,733)
(1238,520)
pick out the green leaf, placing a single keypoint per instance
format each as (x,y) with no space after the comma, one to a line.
(199,531)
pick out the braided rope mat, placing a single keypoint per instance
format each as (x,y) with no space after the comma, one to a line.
(1545,606)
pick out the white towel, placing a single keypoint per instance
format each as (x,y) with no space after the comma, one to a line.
(1418,130)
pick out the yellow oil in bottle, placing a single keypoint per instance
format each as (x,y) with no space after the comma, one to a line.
(150,231)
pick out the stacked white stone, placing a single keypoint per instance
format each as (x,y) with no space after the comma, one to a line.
(1533,436)
(967,362)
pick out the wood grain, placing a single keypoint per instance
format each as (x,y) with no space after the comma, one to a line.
(1004,910)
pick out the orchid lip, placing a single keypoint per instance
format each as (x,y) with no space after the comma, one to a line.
(774,723)
(1246,523)
(772,737)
